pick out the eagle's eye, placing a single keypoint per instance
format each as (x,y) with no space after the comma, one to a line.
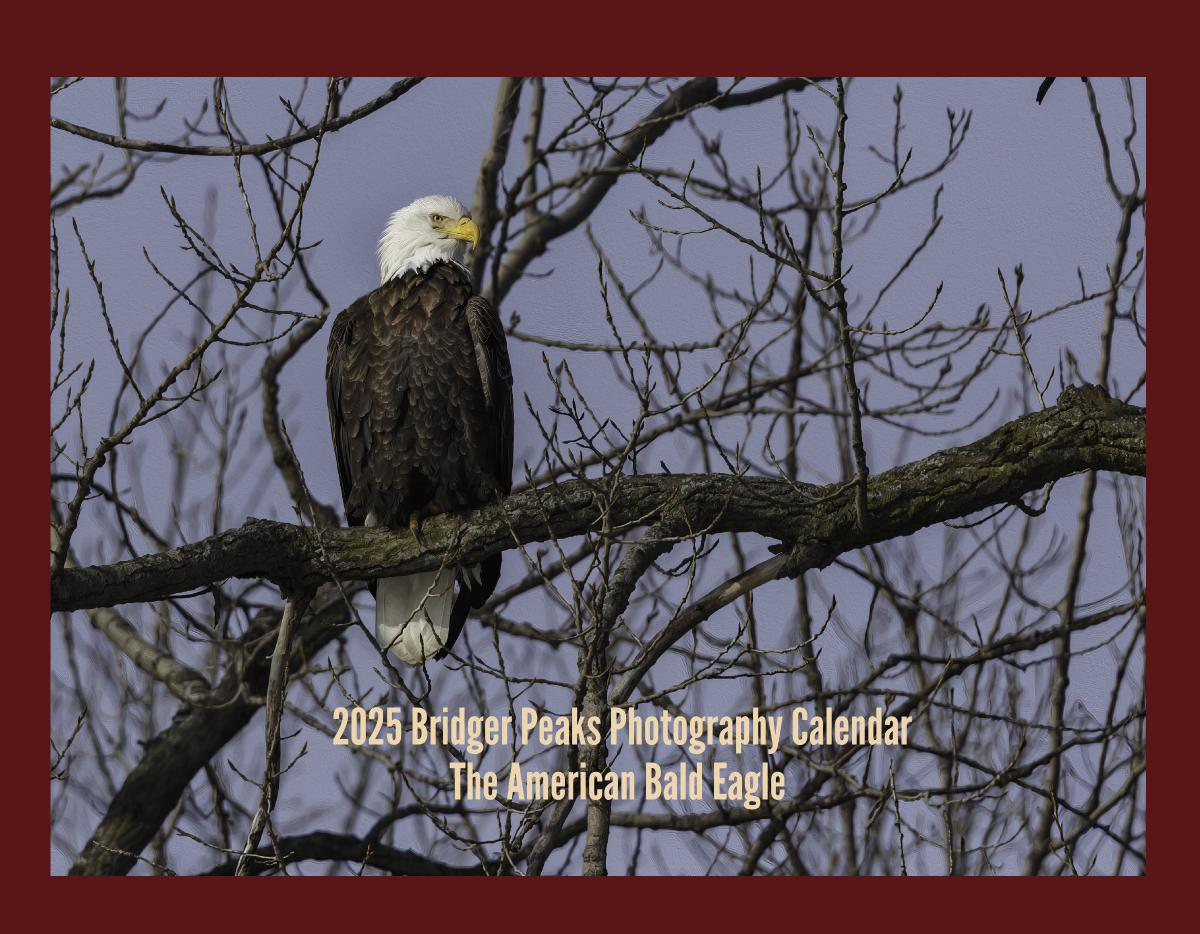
(436,218)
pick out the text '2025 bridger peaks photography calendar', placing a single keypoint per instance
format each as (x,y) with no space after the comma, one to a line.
(640,476)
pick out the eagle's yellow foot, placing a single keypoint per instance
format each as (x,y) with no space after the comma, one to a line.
(414,523)
(416,518)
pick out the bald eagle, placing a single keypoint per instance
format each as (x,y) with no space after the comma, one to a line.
(420,406)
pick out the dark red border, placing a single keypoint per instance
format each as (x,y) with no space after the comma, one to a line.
(572,38)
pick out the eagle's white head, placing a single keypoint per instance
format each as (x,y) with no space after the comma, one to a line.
(430,229)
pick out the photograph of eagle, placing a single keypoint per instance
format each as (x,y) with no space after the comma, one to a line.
(420,406)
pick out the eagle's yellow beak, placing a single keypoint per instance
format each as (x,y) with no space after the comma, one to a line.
(465,229)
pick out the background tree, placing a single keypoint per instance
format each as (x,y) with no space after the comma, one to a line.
(753,471)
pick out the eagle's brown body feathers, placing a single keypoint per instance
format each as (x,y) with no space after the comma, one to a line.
(420,405)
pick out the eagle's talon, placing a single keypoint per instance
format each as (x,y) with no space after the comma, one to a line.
(414,523)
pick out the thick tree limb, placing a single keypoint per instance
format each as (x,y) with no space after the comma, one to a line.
(483,205)
(172,759)
(323,845)
(1086,430)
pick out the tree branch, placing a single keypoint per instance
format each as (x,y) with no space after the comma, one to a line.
(698,92)
(343,847)
(250,149)
(173,757)
(1086,430)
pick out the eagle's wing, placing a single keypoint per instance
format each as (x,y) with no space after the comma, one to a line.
(495,374)
(349,402)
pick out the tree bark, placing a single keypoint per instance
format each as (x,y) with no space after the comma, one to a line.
(1086,430)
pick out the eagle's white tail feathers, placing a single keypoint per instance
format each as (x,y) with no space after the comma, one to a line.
(412,614)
